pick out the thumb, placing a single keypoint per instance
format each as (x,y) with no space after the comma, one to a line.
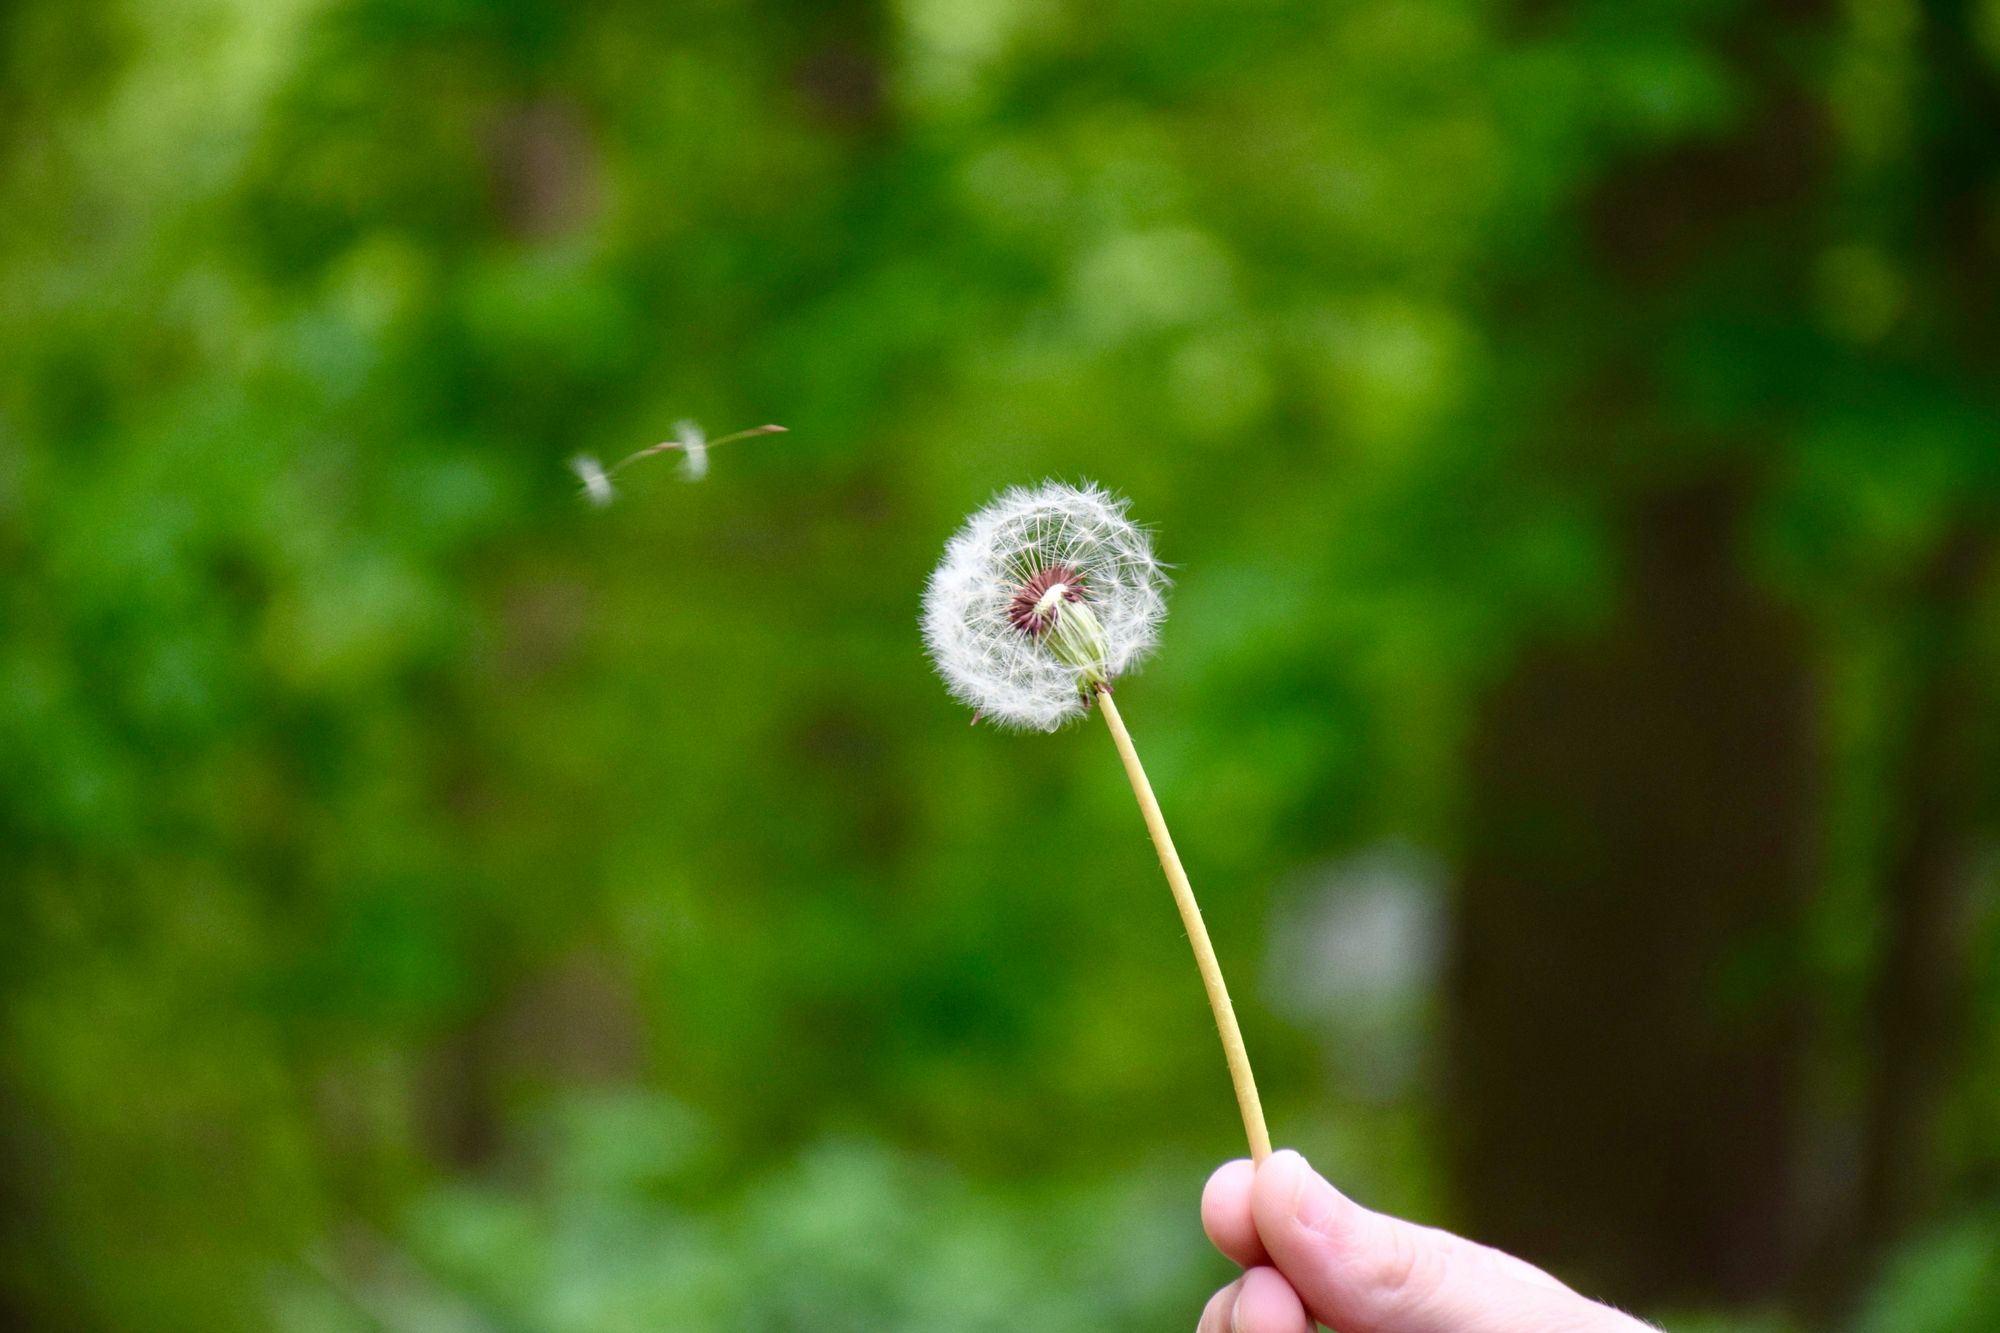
(1365,1272)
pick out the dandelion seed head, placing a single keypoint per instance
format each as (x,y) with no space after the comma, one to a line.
(1043,594)
(596,487)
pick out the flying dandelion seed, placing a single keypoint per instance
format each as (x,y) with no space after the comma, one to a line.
(689,438)
(597,487)
(694,449)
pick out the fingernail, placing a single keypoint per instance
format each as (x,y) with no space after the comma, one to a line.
(1235,1309)
(1313,1199)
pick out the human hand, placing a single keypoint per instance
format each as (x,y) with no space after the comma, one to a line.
(1310,1253)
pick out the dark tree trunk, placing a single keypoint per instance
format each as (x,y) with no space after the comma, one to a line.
(1625,1048)
(1627,1045)
(1922,980)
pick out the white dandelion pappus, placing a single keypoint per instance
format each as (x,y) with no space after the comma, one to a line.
(1044,595)
(693,442)
(597,487)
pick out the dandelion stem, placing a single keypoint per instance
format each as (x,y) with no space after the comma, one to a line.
(1204,952)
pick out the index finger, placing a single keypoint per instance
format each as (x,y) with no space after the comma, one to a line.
(1226,1215)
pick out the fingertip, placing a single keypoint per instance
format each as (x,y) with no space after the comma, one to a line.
(1267,1304)
(1236,1173)
(1352,1268)
(1286,1190)
(1226,1213)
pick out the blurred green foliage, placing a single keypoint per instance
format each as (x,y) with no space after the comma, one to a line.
(1945,1280)
(430,903)
(843,1235)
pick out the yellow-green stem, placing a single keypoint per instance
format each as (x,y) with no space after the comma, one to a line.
(1204,952)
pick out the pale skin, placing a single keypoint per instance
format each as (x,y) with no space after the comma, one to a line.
(1311,1254)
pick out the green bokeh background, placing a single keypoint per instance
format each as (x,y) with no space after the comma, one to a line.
(431,903)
